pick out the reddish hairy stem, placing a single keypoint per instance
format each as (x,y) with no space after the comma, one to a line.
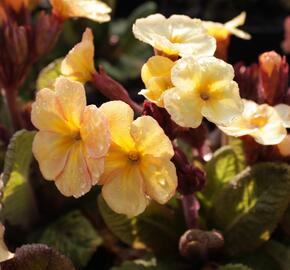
(190,206)
(11,99)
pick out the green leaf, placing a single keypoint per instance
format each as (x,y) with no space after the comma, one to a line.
(279,252)
(225,164)
(159,224)
(231,266)
(19,207)
(37,257)
(250,206)
(74,236)
(152,263)
(48,75)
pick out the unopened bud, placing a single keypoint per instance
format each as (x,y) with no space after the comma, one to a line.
(197,244)
(273,77)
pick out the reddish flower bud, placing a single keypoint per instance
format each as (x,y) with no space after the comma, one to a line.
(190,178)
(247,78)
(197,244)
(112,89)
(286,42)
(273,77)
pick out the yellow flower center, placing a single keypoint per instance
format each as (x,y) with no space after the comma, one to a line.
(133,156)
(77,136)
(258,121)
(204,96)
(176,39)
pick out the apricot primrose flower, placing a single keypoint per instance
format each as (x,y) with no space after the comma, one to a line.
(91,9)
(203,87)
(156,75)
(222,31)
(138,166)
(262,122)
(73,139)
(177,35)
(79,65)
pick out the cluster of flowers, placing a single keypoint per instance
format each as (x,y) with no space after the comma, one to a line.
(79,146)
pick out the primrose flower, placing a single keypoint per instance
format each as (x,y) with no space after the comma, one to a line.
(202,87)
(79,65)
(262,122)
(156,75)
(4,252)
(138,165)
(73,138)
(91,9)
(284,112)
(284,146)
(176,35)
(222,33)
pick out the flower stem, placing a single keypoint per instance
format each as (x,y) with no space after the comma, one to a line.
(190,207)
(11,99)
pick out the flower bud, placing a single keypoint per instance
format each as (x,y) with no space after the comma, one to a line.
(273,77)
(190,178)
(112,89)
(197,244)
(286,42)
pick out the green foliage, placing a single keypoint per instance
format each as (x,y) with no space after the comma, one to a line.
(151,263)
(162,221)
(19,207)
(37,257)
(234,267)
(74,236)
(48,75)
(250,206)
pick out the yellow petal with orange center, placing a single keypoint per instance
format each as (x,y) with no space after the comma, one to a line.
(120,117)
(124,193)
(160,179)
(79,64)
(51,151)
(150,138)
(94,132)
(91,9)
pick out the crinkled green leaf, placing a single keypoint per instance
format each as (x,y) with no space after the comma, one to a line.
(152,263)
(159,224)
(279,252)
(37,257)
(250,206)
(231,266)
(225,164)
(48,75)
(19,207)
(74,236)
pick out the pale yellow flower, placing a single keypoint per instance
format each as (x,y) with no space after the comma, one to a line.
(262,122)
(79,65)
(92,9)
(138,165)
(176,35)
(73,138)
(222,31)
(284,146)
(4,252)
(156,75)
(284,112)
(202,87)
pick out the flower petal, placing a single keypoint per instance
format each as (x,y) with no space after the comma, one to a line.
(75,180)
(46,113)
(51,151)
(4,252)
(95,132)
(150,138)
(120,117)
(124,193)
(160,179)
(79,64)
(225,103)
(72,99)
(284,112)
(183,107)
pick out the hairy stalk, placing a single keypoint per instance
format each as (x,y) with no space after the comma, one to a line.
(190,206)
(11,99)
